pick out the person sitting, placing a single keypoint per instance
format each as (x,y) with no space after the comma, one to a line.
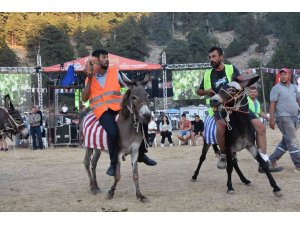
(197,129)
(64,109)
(165,128)
(185,129)
(152,127)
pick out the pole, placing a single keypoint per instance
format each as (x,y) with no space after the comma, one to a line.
(165,90)
(263,87)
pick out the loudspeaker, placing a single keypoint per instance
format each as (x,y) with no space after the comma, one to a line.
(51,90)
(155,90)
(74,133)
(63,134)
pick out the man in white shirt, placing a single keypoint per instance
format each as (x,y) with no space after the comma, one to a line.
(64,109)
(152,128)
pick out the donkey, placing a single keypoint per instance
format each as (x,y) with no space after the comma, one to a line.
(11,121)
(240,133)
(134,113)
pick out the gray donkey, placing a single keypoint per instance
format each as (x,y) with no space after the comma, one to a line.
(134,113)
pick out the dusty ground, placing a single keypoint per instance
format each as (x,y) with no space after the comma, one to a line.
(55,180)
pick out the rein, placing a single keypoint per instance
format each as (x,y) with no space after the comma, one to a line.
(236,107)
(137,121)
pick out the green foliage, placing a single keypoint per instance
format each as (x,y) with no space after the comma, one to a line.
(7,56)
(185,83)
(160,28)
(237,46)
(129,41)
(177,51)
(97,44)
(54,45)
(262,43)
(199,41)
(82,51)
(253,63)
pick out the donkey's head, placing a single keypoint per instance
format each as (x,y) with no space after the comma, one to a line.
(12,120)
(231,94)
(136,101)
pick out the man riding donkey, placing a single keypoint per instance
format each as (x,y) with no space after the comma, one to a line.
(214,79)
(102,89)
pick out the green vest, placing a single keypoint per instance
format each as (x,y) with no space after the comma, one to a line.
(207,83)
(252,107)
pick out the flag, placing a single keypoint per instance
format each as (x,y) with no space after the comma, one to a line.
(70,76)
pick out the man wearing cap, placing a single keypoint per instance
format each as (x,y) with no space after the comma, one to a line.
(284,104)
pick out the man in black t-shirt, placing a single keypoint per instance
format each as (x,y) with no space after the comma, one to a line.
(197,129)
(214,79)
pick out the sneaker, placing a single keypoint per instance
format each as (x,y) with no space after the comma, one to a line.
(2,149)
(297,170)
(222,162)
(171,145)
(273,169)
(162,145)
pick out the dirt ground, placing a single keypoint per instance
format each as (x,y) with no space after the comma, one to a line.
(55,180)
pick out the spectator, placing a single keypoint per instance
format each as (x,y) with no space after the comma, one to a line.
(185,129)
(197,129)
(82,113)
(284,104)
(35,130)
(152,128)
(38,111)
(64,109)
(165,128)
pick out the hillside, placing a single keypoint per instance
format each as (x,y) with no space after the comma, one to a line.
(271,38)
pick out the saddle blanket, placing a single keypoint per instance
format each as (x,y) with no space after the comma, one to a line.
(93,133)
(210,130)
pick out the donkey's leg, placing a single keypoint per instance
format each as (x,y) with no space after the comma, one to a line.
(201,160)
(87,159)
(216,150)
(229,169)
(111,192)
(265,166)
(94,161)
(134,163)
(237,169)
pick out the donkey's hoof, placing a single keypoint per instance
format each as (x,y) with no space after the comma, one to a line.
(247,182)
(194,178)
(278,193)
(230,192)
(110,195)
(142,198)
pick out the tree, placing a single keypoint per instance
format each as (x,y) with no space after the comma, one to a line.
(177,51)
(54,45)
(82,50)
(160,29)
(7,57)
(199,42)
(129,41)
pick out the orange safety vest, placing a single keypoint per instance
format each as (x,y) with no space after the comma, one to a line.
(108,97)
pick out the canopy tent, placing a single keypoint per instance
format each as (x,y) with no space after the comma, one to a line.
(121,63)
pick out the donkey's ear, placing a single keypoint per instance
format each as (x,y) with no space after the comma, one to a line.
(126,80)
(248,80)
(146,80)
(7,101)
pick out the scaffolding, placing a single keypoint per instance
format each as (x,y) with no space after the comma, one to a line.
(166,67)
